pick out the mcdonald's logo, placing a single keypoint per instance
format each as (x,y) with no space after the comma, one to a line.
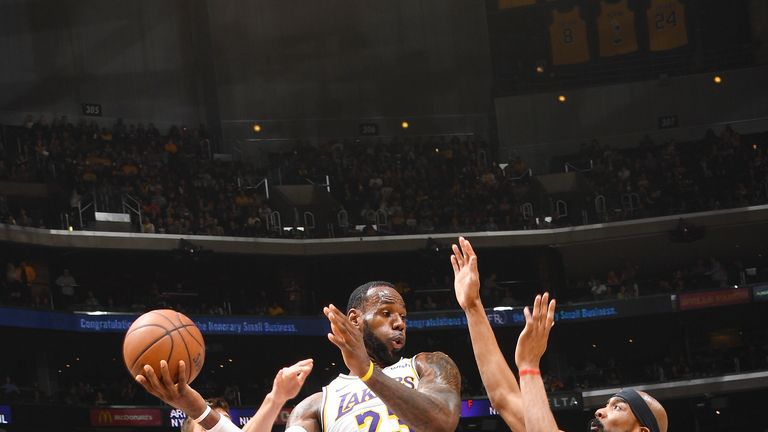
(104,417)
(140,417)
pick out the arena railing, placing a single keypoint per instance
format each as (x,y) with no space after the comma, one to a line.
(655,227)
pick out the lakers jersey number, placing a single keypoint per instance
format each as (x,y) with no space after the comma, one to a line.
(616,28)
(666,25)
(350,406)
(568,36)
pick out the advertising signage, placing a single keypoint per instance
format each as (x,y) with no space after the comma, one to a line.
(316,326)
(707,299)
(760,293)
(557,402)
(239,416)
(119,323)
(505,317)
(5,415)
(134,417)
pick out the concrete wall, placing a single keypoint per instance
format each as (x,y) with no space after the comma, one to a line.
(304,68)
(301,68)
(131,56)
(537,127)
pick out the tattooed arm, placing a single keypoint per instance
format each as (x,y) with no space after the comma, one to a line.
(435,405)
(307,414)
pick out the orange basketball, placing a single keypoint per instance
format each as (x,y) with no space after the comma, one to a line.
(168,335)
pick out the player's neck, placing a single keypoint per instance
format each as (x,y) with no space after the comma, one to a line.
(381,363)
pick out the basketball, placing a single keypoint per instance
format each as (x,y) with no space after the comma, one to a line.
(168,335)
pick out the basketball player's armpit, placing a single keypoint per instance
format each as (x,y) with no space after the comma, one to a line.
(307,413)
(436,368)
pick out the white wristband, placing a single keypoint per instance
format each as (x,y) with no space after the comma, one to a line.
(204,414)
(224,425)
(295,429)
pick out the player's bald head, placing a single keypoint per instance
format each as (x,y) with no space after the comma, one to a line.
(658,411)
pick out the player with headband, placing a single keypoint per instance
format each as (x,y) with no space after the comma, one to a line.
(526,408)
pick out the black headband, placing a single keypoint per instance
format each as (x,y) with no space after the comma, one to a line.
(639,408)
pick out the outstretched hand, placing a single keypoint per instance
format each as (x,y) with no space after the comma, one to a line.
(466,281)
(533,339)
(349,338)
(289,380)
(180,396)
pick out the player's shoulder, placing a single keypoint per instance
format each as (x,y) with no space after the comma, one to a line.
(311,402)
(431,355)
(430,360)
(306,410)
(437,368)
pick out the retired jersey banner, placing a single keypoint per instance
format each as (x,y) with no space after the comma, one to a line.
(666,25)
(568,37)
(136,417)
(616,29)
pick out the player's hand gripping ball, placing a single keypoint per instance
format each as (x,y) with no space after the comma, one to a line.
(168,335)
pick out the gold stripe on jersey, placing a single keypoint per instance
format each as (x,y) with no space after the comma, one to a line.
(324,407)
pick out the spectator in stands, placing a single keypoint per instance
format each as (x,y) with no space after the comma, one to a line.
(27,273)
(128,392)
(66,284)
(275,309)
(598,289)
(148,227)
(489,290)
(13,284)
(91,301)
(717,273)
(10,389)
(38,294)
(508,299)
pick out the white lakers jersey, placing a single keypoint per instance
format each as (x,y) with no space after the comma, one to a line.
(349,406)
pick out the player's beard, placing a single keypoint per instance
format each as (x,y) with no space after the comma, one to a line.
(378,349)
(596,423)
